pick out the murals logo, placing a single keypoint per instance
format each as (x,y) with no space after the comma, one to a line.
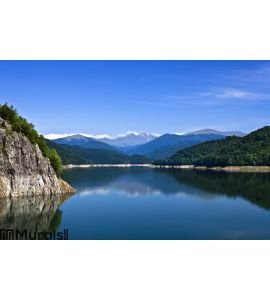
(16,234)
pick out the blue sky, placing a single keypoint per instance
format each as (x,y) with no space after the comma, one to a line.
(114,97)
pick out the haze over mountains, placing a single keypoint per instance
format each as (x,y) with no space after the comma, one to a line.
(129,140)
(144,146)
(84,142)
(213,131)
(168,144)
(76,155)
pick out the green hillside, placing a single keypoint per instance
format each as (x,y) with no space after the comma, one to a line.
(250,150)
(78,155)
(168,144)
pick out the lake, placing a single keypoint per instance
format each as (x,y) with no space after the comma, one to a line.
(146,203)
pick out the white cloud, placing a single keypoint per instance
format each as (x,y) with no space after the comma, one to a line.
(259,76)
(128,132)
(235,93)
(53,136)
(137,133)
(97,136)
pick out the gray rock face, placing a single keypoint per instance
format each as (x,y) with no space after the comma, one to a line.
(24,171)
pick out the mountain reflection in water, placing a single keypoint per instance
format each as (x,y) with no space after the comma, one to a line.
(254,187)
(145,203)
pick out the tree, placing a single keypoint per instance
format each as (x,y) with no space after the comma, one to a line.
(55,160)
(250,150)
(21,125)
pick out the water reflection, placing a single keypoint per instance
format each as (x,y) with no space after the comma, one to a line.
(34,214)
(144,203)
(254,187)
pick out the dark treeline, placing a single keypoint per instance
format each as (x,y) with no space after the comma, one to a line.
(77,155)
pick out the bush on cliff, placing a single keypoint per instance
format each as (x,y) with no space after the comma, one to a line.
(19,124)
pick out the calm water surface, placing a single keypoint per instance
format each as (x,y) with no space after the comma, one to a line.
(144,203)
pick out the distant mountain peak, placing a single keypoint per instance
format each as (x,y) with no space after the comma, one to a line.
(77,136)
(213,131)
(130,139)
(135,133)
(83,141)
(54,136)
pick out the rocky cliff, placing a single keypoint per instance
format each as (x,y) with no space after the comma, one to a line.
(24,171)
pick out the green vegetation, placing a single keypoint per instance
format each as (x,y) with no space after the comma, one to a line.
(251,150)
(77,155)
(21,125)
(255,187)
(168,144)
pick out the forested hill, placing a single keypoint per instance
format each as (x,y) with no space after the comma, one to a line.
(250,150)
(79,156)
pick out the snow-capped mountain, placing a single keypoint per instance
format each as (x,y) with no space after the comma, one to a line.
(122,142)
(151,145)
(130,139)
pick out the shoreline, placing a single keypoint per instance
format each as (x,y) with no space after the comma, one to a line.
(108,166)
(246,169)
(255,169)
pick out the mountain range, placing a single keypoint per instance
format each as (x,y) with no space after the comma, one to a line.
(168,144)
(213,131)
(144,144)
(77,155)
(84,142)
(129,140)
(250,150)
